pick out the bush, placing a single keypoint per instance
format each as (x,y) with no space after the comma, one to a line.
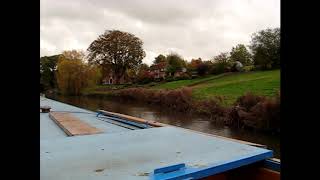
(144,80)
(262,67)
(267,114)
(219,68)
(248,68)
(182,77)
(180,100)
(256,112)
(169,79)
(152,84)
(212,108)
(202,69)
(248,100)
(157,80)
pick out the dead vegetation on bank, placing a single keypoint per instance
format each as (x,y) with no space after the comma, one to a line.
(249,111)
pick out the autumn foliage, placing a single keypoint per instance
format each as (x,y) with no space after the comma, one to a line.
(73,74)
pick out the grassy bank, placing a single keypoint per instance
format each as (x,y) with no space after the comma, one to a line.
(249,99)
(226,87)
(187,83)
(231,87)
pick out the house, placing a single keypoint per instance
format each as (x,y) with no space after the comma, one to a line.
(180,73)
(108,79)
(158,71)
(111,78)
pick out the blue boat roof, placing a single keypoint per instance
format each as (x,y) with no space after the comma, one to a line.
(49,129)
(121,153)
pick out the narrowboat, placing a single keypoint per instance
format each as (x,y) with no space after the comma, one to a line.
(76,143)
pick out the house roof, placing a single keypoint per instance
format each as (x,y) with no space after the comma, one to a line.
(158,66)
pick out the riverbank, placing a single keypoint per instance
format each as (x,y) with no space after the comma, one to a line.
(227,87)
(242,100)
(250,111)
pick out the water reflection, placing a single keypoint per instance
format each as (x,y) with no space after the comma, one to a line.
(185,120)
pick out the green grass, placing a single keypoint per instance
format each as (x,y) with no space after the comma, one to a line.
(266,83)
(184,83)
(229,86)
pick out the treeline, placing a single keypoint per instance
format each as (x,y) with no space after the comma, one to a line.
(263,53)
(121,53)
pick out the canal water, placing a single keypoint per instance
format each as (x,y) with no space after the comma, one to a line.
(184,120)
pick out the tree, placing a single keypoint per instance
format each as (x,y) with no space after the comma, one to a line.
(202,69)
(118,50)
(48,65)
(143,67)
(73,75)
(198,66)
(73,55)
(175,62)
(222,58)
(196,62)
(160,59)
(144,75)
(265,46)
(132,74)
(241,54)
(221,63)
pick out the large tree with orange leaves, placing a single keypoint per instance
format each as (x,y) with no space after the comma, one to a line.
(118,50)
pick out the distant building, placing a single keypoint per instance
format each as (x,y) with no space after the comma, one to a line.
(110,78)
(180,73)
(158,71)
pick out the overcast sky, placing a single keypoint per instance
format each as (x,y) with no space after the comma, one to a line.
(192,28)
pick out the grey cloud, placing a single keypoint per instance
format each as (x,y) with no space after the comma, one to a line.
(193,28)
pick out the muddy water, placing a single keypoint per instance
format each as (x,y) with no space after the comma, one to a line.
(178,119)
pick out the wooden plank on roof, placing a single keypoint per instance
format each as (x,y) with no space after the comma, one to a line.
(71,125)
(131,118)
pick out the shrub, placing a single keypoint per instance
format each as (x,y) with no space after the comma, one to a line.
(248,68)
(152,84)
(248,101)
(144,80)
(219,68)
(202,69)
(212,108)
(169,79)
(256,112)
(180,99)
(182,77)
(267,114)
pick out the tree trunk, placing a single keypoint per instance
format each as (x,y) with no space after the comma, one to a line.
(118,76)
